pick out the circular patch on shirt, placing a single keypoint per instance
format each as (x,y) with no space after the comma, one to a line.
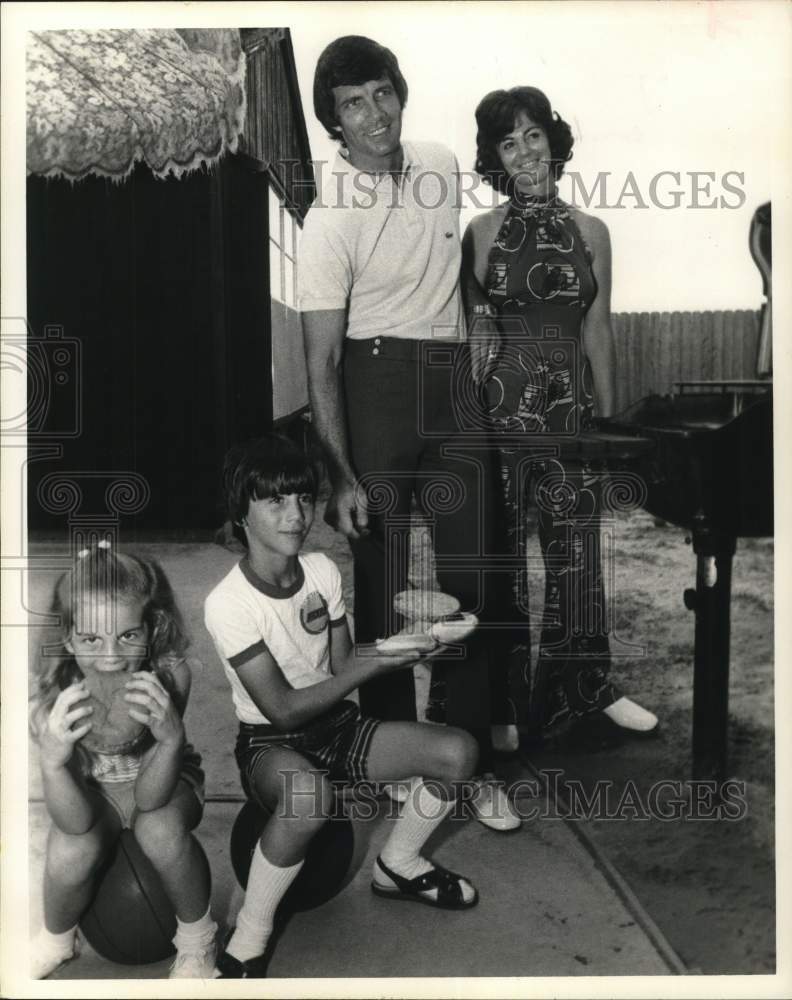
(314,615)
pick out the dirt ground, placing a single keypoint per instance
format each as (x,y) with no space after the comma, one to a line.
(708,884)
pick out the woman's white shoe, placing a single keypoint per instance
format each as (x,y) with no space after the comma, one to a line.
(627,715)
(491,806)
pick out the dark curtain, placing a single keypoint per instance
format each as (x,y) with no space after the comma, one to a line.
(160,289)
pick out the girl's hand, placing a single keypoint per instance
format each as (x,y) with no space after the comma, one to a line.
(67,723)
(154,708)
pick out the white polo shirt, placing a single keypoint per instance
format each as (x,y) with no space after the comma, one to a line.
(387,250)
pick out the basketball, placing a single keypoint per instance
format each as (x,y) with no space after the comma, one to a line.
(130,919)
(326,865)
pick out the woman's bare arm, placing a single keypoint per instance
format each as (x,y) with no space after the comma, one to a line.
(597,329)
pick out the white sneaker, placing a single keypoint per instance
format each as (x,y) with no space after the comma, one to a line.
(505,739)
(195,964)
(627,715)
(48,952)
(491,806)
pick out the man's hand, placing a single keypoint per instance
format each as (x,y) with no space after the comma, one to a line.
(347,509)
(485,344)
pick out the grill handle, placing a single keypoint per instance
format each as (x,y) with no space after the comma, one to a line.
(761,246)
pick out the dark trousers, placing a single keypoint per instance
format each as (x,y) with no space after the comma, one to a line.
(412,420)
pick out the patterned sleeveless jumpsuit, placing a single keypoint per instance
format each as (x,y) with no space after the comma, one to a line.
(539,277)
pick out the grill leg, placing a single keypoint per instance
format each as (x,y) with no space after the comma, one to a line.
(712,605)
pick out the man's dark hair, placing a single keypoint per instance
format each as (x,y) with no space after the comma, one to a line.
(347,62)
(495,117)
(261,468)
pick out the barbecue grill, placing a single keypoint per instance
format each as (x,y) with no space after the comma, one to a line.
(710,471)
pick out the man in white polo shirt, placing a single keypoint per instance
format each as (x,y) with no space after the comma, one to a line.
(389,382)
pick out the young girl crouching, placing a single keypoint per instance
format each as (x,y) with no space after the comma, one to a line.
(107,717)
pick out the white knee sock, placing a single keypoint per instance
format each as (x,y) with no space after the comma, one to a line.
(61,940)
(421,814)
(195,933)
(49,950)
(266,886)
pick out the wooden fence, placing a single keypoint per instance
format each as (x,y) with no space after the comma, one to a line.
(653,350)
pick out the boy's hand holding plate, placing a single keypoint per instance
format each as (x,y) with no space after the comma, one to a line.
(434,619)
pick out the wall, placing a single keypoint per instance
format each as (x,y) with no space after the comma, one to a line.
(654,349)
(289,379)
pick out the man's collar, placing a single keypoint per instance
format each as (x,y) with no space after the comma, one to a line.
(411,161)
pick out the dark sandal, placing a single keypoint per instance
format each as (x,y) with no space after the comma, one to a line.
(229,967)
(449,891)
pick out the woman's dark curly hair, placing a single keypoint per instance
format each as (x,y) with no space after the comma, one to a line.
(348,62)
(495,117)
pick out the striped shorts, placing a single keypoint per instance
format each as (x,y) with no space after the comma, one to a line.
(337,742)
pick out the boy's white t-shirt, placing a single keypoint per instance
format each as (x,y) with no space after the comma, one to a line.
(246,616)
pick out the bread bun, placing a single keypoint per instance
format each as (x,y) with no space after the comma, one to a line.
(454,629)
(403,642)
(424,605)
(113,730)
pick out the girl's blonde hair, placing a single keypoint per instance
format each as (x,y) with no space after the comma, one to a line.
(107,577)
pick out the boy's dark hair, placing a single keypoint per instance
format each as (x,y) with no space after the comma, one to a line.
(260,468)
(347,62)
(495,117)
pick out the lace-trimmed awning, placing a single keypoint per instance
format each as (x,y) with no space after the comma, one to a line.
(100,101)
